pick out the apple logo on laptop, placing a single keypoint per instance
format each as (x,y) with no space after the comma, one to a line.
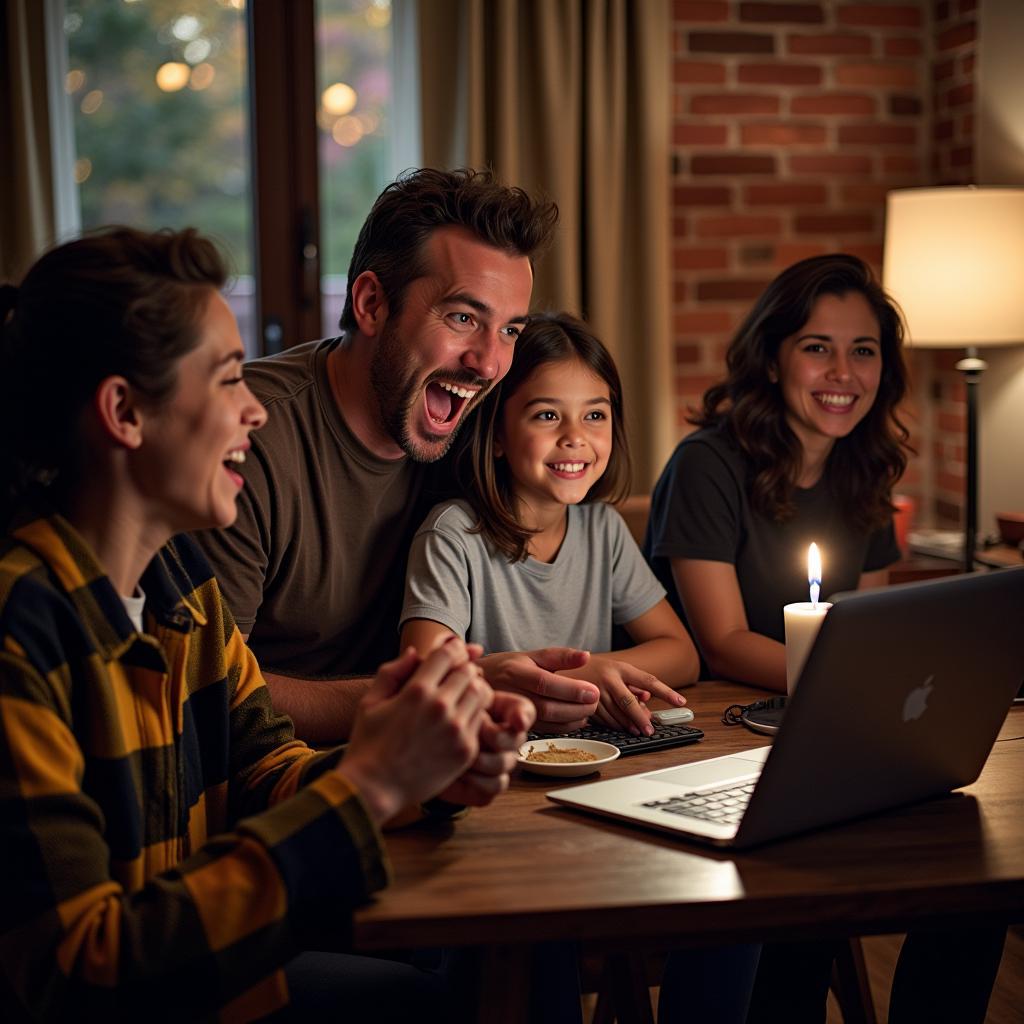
(917,701)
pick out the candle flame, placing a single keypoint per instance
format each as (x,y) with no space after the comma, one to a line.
(813,564)
(814,573)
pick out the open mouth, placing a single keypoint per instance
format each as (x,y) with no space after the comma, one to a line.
(231,463)
(569,470)
(446,401)
(835,401)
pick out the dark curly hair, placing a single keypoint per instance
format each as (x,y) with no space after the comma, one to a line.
(406,213)
(863,466)
(116,301)
(485,480)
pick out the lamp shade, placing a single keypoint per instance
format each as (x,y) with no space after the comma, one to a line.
(954,261)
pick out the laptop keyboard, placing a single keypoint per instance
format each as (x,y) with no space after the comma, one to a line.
(724,806)
(663,737)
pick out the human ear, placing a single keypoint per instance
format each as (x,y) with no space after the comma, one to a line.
(117,408)
(369,304)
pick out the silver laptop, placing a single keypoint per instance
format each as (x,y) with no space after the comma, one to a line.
(901,698)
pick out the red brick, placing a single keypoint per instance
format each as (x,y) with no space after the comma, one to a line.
(833,223)
(806,14)
(734,103)
(880,15)
(942,131)
(788,253)
(903,47)
(956,36)
(905,106)
(699,258)
(865,192)
(684,71)
(894,75)
(700,10)
(788,134)
(688,354)
(785,195)
(900,163)
(728,163)
(679,227)
(830,163)
(731,42)
(729,289)
(680,289)
(877,134)
(845,44)
(699,321)
(738,225)
(869,253)
(946,481)
(833,103)
(699,134)
(756,255)
(967,63)
(779,74)
(959,95)
(701,195)
(966,6)
(942,69)
(967,125)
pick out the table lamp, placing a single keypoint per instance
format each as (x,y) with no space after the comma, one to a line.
(954,261)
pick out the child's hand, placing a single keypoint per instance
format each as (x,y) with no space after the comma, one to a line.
(625,690)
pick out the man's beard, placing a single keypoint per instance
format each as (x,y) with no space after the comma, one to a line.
(398,391)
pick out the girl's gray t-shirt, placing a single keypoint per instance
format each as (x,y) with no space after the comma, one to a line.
(597,580)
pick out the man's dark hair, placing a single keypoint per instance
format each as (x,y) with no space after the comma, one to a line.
(410,209)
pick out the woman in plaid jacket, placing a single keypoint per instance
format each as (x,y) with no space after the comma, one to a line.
(169,847)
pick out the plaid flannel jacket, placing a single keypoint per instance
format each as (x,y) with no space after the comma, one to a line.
(167,844)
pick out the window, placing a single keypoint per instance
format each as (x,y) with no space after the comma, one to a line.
(194,113)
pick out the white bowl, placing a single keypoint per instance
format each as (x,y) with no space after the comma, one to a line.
(605,752)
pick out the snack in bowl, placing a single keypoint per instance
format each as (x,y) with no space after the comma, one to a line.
(565,756)
(560,755)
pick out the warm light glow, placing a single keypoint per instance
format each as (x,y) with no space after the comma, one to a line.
(83,168)
(339,99)
(202,77)
(814,572)
(172,76)
(378,16)
(73,81)
(347,131)
(186,27)
(954,261)
(92,101)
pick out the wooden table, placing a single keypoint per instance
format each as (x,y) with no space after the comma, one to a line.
(523,870)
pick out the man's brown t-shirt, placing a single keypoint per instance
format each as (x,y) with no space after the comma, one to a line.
(314,566)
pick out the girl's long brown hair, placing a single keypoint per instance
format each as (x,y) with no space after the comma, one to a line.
(485,480)
(863,466)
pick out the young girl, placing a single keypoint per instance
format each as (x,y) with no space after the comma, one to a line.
(536,555)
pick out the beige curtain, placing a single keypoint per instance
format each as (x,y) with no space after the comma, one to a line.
(571,98)
(26,199)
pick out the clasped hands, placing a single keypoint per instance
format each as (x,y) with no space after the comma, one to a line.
(432,726)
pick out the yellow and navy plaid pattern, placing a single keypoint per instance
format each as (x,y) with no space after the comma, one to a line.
(167,843)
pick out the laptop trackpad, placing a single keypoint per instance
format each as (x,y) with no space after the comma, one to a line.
(708,773)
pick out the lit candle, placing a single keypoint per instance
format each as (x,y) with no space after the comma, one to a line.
(803,620)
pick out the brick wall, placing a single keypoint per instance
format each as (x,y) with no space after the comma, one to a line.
(791,121)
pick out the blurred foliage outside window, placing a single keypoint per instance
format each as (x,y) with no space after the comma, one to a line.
(160,101)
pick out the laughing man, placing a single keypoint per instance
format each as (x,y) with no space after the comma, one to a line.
(347,466)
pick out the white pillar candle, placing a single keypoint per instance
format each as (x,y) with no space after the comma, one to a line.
(803,620)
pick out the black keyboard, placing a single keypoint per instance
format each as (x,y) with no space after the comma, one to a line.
(663,737)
